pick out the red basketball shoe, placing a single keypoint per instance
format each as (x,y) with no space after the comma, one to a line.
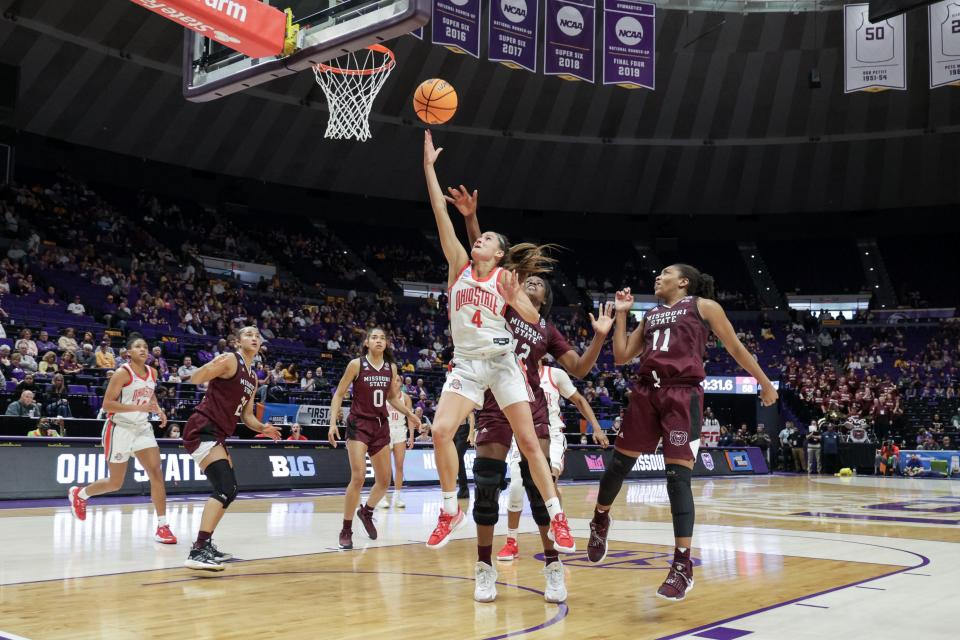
(680,579)
(77,504)
(164,535)
(510,551)
(446,524)
(560,534)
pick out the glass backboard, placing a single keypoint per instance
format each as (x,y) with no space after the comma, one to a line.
(328,28)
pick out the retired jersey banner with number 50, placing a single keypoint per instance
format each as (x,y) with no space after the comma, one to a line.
(628,43)
(513,33)
(874,54)
(570,39)
(944,21)
(456,25)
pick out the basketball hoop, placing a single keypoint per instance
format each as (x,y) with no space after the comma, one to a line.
(350,83)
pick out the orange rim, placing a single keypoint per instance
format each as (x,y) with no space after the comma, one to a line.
(379,48)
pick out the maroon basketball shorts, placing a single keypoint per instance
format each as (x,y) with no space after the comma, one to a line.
(374,433)
(671,413)
(493,427)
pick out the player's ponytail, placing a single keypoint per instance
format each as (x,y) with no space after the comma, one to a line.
(700,284)
(529,259)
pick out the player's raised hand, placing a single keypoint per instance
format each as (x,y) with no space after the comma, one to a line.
(604,321)
(333,435)
(510,287)
(430,153)
(463,200)
(768,395)
(623,301)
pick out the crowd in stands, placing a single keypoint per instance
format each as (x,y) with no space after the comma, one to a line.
(83,274)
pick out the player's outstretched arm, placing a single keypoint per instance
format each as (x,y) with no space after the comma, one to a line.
(714,315)
(466,203)
(579,365)
(349,375)
(453,251)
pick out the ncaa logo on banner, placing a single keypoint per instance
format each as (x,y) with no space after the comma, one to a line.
(459,3)
(570,21)
(678,438)
(515,10)
(629,30)
(707,460)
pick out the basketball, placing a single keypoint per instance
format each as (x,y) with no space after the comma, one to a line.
(435,101)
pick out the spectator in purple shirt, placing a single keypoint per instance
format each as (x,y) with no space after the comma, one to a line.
(156,360)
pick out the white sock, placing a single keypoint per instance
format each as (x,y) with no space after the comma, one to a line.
(512,533)
(396,494)
(82,494)
(553,507)
(161,521)
(450,502)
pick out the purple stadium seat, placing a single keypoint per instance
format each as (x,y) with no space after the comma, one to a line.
(77,388)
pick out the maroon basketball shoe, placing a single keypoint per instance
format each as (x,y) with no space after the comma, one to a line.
(365,513)
(680,579)
(346,539)
(597,547)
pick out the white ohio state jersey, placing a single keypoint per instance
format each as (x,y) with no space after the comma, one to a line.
(556,382)
(395,418)
(137,391)
(477,323)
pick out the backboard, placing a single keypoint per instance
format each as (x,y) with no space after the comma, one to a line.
(328,28)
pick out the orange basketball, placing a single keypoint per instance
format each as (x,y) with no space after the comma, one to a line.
(435,101)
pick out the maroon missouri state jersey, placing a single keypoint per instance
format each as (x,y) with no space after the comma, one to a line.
(225,399)
(370,391)
(533,342)
(674,342)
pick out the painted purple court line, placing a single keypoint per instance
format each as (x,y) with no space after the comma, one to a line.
(856,516)
(924,561)
(562,608)
(723,633)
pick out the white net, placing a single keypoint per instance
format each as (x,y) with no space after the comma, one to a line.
(351,82)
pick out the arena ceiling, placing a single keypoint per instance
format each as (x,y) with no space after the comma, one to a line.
(733,126)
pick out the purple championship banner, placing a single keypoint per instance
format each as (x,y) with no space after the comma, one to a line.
(456,25)
(628,43)
(570,39)
(513,33)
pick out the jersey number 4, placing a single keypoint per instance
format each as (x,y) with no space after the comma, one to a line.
(477,320)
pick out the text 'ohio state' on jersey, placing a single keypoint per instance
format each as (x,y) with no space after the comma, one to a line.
(477,309)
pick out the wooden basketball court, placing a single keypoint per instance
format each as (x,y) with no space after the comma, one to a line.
(777,557)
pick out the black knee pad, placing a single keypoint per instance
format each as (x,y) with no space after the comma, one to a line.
(488,475)
(224,481)
(537,507)
(681,499)
(613,477)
